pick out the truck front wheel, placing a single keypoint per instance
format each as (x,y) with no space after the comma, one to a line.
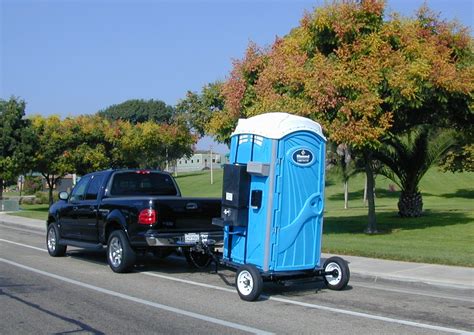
(120,254)
(52,241)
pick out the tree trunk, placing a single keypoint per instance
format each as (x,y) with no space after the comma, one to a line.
(1,188)
(50,181)
(410,204)
(346,194)
(365,191)
(50,195)
(372,223)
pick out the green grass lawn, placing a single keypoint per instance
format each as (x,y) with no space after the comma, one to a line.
(39,212)
(443,235)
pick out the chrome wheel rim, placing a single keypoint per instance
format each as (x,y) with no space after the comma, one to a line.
(245,282)
(333,280)
(51,239)
(115,252)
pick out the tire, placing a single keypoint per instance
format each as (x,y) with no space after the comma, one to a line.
(120,254)
(249,283)
(339,281)
(52,240)
(197,259)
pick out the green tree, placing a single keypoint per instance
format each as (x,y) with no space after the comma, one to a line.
(407,157)
(86,144)
(150,145)
(16,141)
(138,111)
(197,109)
(52,159)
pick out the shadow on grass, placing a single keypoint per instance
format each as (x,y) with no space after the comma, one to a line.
(461,193)
(379,193)
(390,221)
(329,183)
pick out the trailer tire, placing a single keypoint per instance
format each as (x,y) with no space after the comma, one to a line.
(52,241)
(120,254)
(249,283)
(339,281)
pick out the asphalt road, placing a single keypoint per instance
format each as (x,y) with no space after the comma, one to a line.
(80,294)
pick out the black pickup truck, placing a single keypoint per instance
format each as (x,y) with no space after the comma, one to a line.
(133,212)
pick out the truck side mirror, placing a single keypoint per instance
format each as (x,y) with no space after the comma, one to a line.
(63,195)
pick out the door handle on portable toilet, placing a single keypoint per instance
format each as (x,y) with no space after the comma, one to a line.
(311,208)
(191,205)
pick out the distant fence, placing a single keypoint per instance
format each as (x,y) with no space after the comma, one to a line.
(9,205)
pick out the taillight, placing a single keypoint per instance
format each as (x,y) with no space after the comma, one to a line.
(147,216)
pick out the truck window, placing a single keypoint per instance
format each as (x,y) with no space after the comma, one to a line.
(135,183)
(94,187)
(80,189)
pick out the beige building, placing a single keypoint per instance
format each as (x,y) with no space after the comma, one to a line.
(200,160)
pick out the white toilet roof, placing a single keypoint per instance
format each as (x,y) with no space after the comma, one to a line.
(276,125)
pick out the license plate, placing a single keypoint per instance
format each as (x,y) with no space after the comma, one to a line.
(195,237)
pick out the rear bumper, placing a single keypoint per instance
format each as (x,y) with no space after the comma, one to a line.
(180,239)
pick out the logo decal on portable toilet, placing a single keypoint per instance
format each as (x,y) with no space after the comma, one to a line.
(303,157)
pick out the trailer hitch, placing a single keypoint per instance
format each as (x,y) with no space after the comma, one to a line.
(204,247)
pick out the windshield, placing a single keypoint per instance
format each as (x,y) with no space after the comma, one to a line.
(142,183)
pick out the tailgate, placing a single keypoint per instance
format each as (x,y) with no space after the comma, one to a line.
(187,214)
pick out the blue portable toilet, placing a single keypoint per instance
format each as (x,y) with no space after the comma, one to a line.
(273,202)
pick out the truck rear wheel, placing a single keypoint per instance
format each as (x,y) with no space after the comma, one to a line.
(120,254)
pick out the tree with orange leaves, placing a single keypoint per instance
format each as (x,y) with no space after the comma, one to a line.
(360,76)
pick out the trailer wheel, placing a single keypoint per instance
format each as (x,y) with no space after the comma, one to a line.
(198,259)
(120,254)
(249,283)
(341,275)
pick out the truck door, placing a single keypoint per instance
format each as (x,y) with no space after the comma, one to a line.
(68,215)
(88,209)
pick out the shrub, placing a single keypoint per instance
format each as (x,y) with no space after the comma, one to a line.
(32,184)
(27,200)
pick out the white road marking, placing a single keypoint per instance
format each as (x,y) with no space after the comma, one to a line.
(190,282)
(298,303)
(411,292)
(23,245)
(25,230)
(373,317)
(141,301)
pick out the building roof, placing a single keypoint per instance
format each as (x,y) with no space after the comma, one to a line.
(277,125)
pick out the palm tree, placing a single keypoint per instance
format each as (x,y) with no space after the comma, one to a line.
(407,157)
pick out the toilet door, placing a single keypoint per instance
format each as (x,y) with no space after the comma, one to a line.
(298,219)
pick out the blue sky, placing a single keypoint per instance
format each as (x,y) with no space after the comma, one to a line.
(77,57)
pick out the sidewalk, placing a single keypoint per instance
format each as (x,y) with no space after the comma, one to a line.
(443,275)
